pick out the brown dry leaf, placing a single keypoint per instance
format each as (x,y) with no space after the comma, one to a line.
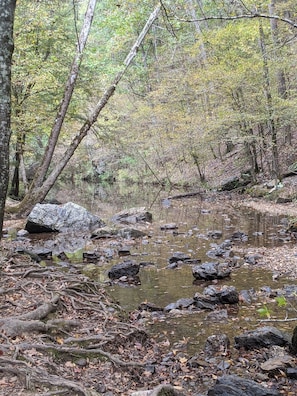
(33,352)
(121,349)
(4,381)
(69,364)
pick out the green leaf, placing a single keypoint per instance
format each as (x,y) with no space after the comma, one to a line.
(264,312)
(75,257)
(281,301)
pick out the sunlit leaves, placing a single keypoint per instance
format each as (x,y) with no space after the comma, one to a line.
(189,89)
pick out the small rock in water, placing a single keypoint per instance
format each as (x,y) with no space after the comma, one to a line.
(124,251)
(215,234)
(218,316)
(127,268)
(210,271)
(178,256)
(170,226)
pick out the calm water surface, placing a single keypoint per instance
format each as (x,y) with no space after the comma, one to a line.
(195,218)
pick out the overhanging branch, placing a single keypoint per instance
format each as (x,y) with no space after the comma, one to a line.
(243,16)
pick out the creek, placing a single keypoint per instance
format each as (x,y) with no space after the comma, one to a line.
(196,217)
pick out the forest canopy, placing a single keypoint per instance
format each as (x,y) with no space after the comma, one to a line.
(212,81)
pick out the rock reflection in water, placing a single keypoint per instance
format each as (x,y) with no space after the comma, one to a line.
(197,222)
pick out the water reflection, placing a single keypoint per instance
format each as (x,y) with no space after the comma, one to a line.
(195,218)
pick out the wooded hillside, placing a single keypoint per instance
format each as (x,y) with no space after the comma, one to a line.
(212,83)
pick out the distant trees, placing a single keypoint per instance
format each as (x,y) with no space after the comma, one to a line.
(209,78)
(44,179)
(229,81)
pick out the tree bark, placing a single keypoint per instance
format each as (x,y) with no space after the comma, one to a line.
(7,8)
(73,74)
(280,72)
(269,105)
(38,193)
(198,29)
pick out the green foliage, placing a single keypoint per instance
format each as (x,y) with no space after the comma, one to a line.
(191,90)
(281,301)
(44,46)
(76,256)
(264,312)
(129,160)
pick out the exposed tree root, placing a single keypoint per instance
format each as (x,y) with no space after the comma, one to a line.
(30,376)
(82,334)
(82,352)
(28,322)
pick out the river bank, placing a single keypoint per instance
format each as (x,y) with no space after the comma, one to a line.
(84,343)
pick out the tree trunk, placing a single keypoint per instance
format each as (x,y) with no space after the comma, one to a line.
(20,92)
(73,74)
(198,166)
(18,162)
(198,29)
(269,105)
(7,8)
(280,73)
(247,130)
(38,193)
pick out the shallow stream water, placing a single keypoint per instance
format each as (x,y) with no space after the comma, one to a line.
(196,217)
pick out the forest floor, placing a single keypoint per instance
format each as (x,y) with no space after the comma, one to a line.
(280,259)
(61,334)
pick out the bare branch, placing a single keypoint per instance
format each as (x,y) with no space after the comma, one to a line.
(243,16)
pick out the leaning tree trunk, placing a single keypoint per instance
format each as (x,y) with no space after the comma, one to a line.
(7,8)
(38,193)
(63,107)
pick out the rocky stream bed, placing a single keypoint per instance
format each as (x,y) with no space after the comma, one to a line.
(62,333)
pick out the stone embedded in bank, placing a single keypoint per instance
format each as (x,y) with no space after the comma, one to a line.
(67,217)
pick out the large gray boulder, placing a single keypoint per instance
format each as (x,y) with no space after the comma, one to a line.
(67,217)
(233,385)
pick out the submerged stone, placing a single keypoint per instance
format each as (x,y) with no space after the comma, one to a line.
(133,215)
(217,343)
(178,256)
